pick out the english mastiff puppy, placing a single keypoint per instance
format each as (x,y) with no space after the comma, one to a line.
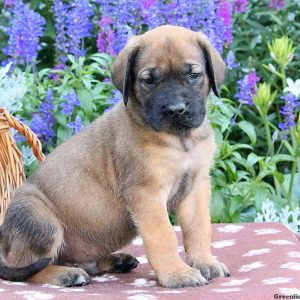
(124,173)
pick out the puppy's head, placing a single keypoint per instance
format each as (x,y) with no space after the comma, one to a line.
(168,73)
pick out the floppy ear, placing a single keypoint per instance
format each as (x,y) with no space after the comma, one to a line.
(123,68)
(215,66)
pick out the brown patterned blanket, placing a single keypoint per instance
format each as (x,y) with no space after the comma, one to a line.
(264,259)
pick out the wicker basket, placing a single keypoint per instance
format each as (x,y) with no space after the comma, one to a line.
(11,164)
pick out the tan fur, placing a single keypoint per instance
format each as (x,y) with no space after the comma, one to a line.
(114,179)
(54,274)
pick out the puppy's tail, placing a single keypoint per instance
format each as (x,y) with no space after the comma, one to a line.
(20,274)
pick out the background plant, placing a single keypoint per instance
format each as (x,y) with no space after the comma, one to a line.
(256,120)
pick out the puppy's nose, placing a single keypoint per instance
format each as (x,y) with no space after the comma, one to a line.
(178,108)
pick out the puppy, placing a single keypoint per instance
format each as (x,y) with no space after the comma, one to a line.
(121,175)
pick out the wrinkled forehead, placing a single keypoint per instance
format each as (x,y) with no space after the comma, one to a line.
(170,53)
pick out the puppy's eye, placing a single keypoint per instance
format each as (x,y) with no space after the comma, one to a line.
(149,80)
(193,76)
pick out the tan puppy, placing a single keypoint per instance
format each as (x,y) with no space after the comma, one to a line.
(122,174)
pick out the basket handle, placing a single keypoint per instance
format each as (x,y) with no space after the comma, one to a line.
(31,137)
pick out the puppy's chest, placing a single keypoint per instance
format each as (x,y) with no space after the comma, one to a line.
(180,189)
(176,168)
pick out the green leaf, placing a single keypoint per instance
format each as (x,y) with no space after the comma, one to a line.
(282,157)
(240,146)
(236,204)
(289,147)
(252,159)
(295,188)
(256,25)
(253,43)
(87,82)
(276,19)
(236,217)
(44,72)
(217,205)
(248,214)
(86,100)
(61,119)
(260,195)
(279,176)
(62,134)
(98,90)
(249,129)
(231,165)
(71,58)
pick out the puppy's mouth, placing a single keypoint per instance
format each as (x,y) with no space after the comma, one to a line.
(178,124)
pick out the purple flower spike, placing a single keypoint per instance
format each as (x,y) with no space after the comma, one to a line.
(77,125)
(61,39)
(213,17)
(79,25)
(56,77)
(71,101)
(289,111)
(42,123)
(277,4)
(116,98)
(247,88)
(72,25)
(26,27)
(224,12)
(230,61)
(240,6)
(106,37)
(9,3)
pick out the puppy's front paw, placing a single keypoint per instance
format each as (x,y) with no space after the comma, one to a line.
(124,263)
(183,277)
(210,270)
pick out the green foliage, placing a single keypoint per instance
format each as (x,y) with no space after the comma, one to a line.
(254,162)
(85,77)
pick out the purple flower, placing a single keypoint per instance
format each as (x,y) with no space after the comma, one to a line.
(42,123)
(148,3)
(71,101)
(153,13)
(79,25)
(39,125)
(215,20)
(240,6)
(116,98)
(106,37)
(213,17)
(48,106)
(72,24)
(77,125)
(55,77)
(277,4)
(26,27)
(230,61)
(9,3)
(61,39)
(247,88)
(253,79)
(289,111)
(224,12)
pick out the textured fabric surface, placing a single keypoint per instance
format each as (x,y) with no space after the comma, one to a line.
(264,260)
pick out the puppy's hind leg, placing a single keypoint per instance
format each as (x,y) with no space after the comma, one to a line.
(61,276)
(31,231)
